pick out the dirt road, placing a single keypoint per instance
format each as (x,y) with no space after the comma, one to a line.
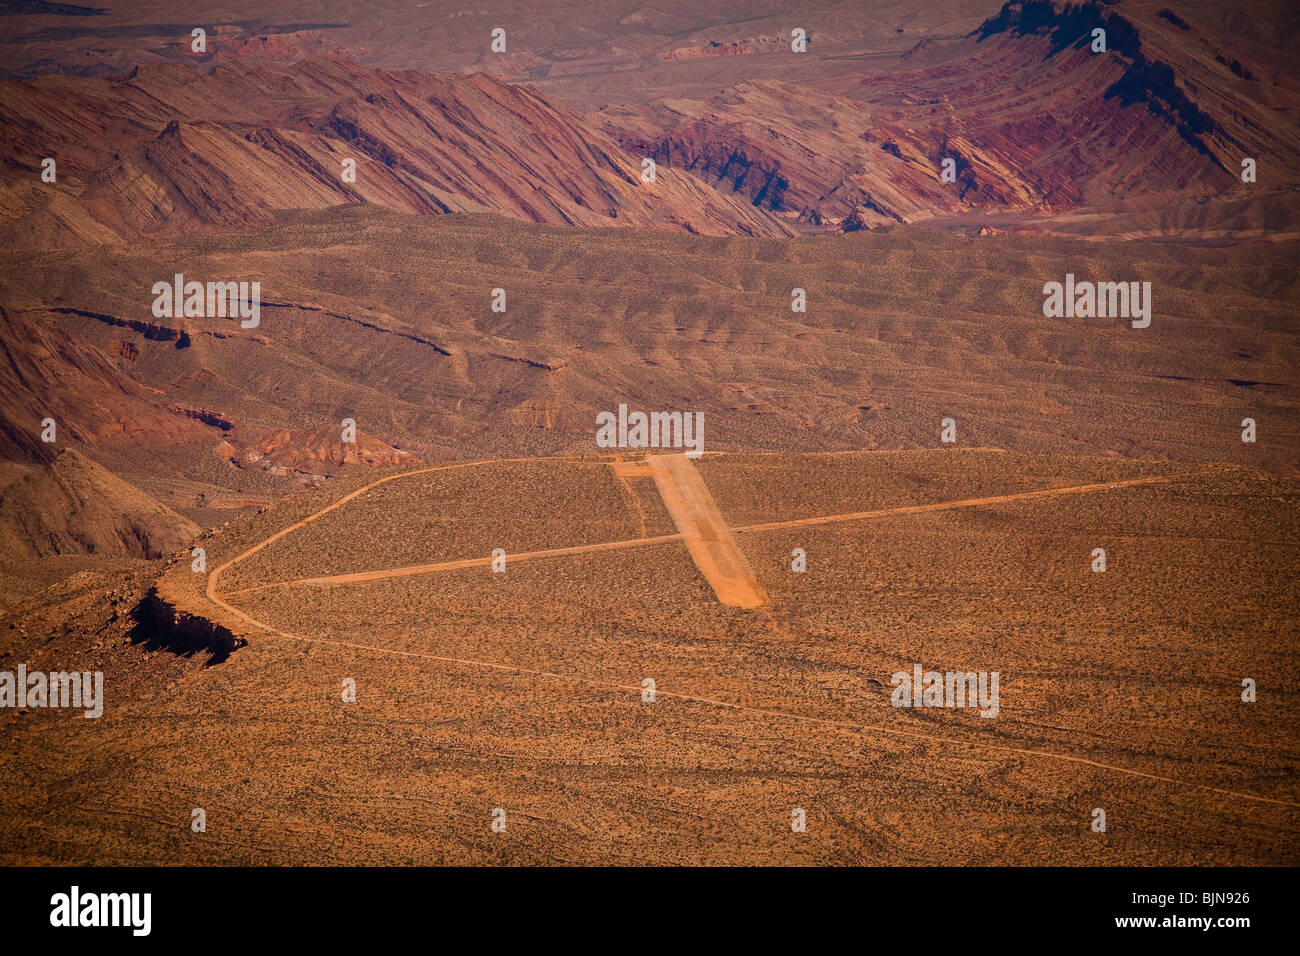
(963,503)
(711,533)
(358,577)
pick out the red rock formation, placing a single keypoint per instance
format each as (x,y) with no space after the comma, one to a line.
(1036,123)
(48,370)
(166,149)
(322,451)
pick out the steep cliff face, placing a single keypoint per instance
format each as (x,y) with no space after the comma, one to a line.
(162,625)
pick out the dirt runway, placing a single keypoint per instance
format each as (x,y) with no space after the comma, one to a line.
(705,534)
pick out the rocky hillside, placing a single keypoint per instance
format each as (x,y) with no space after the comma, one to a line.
(166,149)
(1035,121)
(75,506)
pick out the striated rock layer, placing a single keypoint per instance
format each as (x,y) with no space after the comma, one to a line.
(165,149)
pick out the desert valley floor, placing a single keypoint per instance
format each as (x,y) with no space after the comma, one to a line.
(522,689)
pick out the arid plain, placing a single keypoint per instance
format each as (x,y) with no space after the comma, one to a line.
(523,689)
(497,588)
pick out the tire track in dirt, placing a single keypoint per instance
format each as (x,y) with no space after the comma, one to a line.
(787,715)
(357,577)
(621,471)
(963,503)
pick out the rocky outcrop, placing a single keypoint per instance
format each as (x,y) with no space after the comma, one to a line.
(153,331)
(322,451)
(161,625)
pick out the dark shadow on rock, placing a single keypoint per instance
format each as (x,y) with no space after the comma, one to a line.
(161,627)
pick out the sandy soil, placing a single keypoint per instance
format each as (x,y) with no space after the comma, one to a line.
(522,690)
